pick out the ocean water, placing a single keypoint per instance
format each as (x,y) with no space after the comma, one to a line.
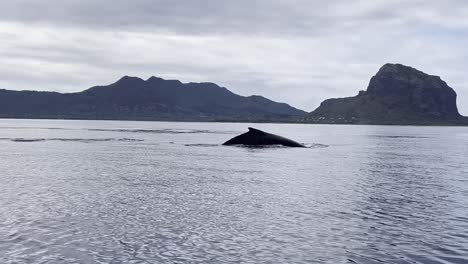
(161,192)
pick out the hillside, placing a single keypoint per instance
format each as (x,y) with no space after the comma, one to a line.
(132,98)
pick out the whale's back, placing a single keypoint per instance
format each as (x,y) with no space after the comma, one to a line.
(257,137)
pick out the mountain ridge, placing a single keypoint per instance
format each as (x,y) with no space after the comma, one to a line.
(396,95)
(133,98)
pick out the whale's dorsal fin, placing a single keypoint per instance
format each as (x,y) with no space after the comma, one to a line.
(254,130)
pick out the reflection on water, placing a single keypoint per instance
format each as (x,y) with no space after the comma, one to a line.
(85,140)
(166,131)
(404,206)
(360,194)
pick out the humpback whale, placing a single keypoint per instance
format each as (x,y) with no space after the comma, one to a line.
(257,137)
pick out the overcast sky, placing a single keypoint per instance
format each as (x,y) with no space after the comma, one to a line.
(295,51)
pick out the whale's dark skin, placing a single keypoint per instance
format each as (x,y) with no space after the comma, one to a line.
(257,137)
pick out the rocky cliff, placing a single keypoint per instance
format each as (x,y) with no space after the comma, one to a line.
(396,95)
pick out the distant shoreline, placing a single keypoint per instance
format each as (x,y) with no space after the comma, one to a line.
(234,122)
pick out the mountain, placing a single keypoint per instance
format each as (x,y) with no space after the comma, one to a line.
(396,95)
(132,98)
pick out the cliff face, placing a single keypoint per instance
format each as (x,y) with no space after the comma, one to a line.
(398,95)
(132,98)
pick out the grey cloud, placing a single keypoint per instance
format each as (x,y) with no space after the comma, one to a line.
(235,16)
(298,51)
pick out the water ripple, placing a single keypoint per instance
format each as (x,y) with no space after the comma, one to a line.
(354,199)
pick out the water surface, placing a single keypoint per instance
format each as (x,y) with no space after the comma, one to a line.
(160,192)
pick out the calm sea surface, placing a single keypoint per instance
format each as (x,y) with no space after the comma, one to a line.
(155,192)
